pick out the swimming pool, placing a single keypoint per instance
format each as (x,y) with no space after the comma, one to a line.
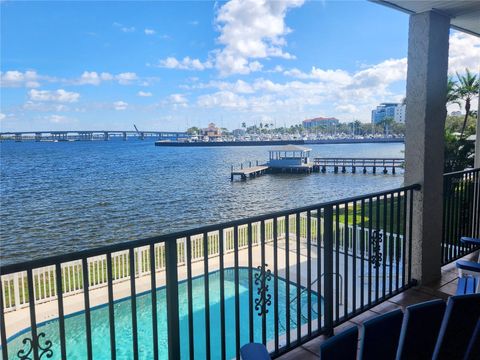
(75,325)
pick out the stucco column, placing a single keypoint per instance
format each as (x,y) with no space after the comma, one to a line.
(477,140)
(424,141)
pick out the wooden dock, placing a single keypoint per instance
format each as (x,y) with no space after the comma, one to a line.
(251,172)
(342,164)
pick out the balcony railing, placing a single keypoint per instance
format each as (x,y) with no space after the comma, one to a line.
(280,279)
(461,213)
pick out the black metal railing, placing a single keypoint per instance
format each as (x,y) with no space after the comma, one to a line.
(280,279)
(461,212)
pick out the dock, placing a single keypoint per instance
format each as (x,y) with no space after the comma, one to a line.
(251,172)
(342,164)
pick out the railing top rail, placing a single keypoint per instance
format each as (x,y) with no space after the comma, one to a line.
(466,171)
(356,158)
(52,260)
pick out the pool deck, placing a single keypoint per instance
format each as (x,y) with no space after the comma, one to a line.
(441,289)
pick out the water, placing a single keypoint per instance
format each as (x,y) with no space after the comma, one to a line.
(75,325)
(71,196)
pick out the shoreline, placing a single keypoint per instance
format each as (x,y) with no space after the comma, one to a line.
(279,142)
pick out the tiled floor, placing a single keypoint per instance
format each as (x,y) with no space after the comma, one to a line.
(440,289)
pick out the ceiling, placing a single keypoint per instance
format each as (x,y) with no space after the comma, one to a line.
(465,15)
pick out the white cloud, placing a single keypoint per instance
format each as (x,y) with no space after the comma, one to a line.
(120,105)
(177,100)
(194,22)
(149,32)
(335,76)
(251,29)
(126,78)
(14,78)
(60,95)
(94,78)
(464,52)
(226,99)
(2,116)
(144,94)
(186,64)
(57,118)
(127,29)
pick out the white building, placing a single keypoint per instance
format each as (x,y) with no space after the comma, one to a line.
(399,116)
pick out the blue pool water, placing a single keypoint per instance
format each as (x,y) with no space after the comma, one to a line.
(75,325)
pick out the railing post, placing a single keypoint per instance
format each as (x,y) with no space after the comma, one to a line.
(172,299)
(328,269)
(16,290)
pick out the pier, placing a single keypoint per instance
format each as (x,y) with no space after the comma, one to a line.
(90,135)
(320,165)
(251,172)
(352,164)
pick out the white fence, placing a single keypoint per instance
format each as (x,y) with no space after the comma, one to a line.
(15,288)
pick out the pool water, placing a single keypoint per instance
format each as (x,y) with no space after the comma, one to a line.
(75,325)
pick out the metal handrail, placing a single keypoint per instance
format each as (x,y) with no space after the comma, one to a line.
(77,255)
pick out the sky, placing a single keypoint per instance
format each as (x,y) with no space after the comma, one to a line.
(172,65)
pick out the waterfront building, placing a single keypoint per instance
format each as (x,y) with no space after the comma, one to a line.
(393,111)
(211,132)
(320,122)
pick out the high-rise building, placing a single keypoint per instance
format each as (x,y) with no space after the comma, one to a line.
(393,111)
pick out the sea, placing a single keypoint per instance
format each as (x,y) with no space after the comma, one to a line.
(56,198)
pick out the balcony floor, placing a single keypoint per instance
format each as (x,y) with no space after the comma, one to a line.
(440,289)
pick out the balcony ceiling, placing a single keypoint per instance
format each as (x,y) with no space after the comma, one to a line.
(465,15)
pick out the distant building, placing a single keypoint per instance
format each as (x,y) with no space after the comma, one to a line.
(212,131)
(239,132)
(393,111)
(320,121)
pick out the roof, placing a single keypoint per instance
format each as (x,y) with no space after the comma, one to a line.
(320,119)
(464,14)
(290,148)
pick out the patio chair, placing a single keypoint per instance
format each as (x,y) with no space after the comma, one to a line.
(469,271)
(421,324)
(254,351)
(458,324)
(342,346)
(473,350)
(379,339)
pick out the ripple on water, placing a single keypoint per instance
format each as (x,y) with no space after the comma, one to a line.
(70,196)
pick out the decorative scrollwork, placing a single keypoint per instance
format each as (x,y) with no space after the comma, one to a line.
(376,256)
(264,299)
(45,349)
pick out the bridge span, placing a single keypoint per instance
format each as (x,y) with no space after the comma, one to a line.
(90,135)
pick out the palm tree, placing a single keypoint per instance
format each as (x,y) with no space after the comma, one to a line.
(466,89)
(452,93)
(244,125)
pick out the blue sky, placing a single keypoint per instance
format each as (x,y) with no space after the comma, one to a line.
(169,65)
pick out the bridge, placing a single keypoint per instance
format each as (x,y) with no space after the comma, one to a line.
(89,135)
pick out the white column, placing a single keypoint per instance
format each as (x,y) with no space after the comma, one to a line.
(424,142)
